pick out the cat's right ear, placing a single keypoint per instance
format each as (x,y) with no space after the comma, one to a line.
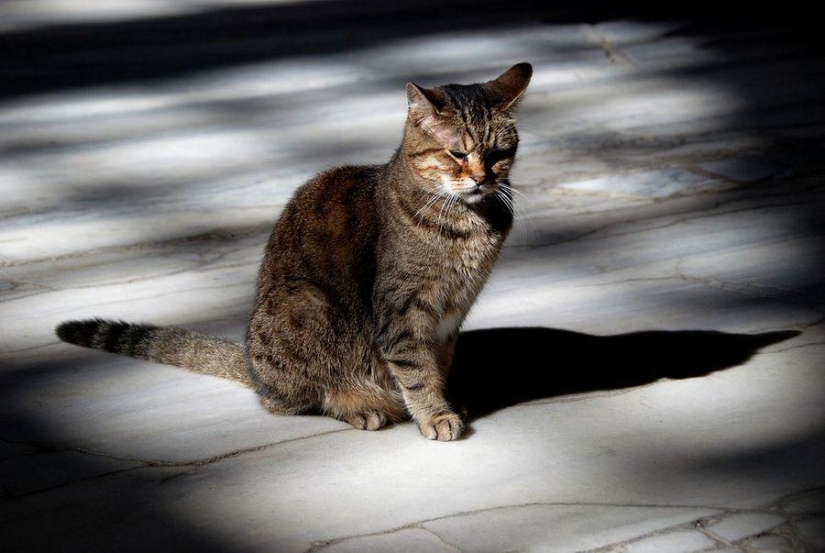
(425,112)
(421,103)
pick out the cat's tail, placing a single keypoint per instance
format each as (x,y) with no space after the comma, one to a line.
(170,345)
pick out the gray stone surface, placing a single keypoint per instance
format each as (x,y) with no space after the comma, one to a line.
(811,533)
(741,525)
(35,472)
(669,394)
(677,541)
(555,527)
(408,539)
(773,543)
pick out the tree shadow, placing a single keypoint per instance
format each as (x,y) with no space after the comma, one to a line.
(88,53)
(500,367)
(156,47)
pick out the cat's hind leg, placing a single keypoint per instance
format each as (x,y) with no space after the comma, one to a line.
(371,420)
(277,406)
(365,406)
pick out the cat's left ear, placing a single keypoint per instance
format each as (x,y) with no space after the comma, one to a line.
(425,107)
(508,88)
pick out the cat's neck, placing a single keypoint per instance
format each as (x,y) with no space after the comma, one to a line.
(404,180)
(400,166)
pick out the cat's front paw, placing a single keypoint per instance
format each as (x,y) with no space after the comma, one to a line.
(444,428)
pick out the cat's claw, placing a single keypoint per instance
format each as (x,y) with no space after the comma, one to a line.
(443,428)
(367,421)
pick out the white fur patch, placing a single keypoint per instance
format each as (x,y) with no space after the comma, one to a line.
(447,327)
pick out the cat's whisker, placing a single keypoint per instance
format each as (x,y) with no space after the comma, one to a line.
(512,190)
(436,196)
(513,198)
(452,202)
(443,211)
(508,201)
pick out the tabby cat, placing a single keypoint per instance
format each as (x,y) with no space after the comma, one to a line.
(369,273)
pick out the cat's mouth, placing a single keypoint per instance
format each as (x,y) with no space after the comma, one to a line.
(470,193)
(477,193)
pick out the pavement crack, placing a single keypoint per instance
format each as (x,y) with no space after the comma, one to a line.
(704,525)
(789,348)
(230,236)
(39,447)
(715,209)
(30,348)
(753,290)
(26,290)
(324,544)
(51,448)
(677,217)
(701,524)
(68,483)
(441,540)
(44,448)
(627,281)
(721,542)
(320,545)
(232,454)
(598,36)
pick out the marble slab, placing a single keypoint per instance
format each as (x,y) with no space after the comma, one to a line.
(644,371)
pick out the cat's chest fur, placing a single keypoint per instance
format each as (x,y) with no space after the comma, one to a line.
(467,264)
(449,265)
(466,271)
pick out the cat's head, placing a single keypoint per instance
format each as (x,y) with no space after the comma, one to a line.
(462,138)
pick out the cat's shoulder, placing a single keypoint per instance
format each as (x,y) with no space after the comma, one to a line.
(355,174)
(338,189)
(345,178)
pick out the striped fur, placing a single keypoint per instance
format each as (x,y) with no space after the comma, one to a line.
(169,345)
(369,273)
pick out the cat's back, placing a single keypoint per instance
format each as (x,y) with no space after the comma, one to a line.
(328,229)
(335,204)
(337,189)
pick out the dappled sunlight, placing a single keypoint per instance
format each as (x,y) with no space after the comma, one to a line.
(245,136)
(28,14)
(259,80)
(669,180)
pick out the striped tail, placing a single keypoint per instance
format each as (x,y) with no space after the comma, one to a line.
(170,345)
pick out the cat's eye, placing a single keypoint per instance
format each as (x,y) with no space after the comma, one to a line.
(457,154)
(499,155)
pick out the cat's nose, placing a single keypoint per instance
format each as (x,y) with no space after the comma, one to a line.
(478,178)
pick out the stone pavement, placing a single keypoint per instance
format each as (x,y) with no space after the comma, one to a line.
(644,372)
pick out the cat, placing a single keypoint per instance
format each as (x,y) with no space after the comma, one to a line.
(369,273)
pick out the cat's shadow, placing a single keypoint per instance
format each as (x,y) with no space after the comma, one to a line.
(499,367)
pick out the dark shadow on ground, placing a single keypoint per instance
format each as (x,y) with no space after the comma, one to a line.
(71,55)
(500,367)
(160,47)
